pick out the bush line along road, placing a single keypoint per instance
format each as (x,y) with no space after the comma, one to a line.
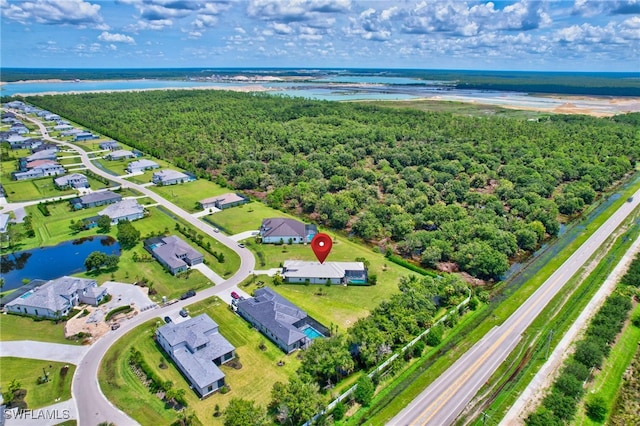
(439,404)
(91,404)
(445,398)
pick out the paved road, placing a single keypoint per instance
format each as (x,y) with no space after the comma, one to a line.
(442,402)
(92,406)
(58,352)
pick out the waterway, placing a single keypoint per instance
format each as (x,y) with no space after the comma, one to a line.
(47,263)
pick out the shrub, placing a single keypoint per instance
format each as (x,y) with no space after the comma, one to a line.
(364,392)
(596,408)
(339,411)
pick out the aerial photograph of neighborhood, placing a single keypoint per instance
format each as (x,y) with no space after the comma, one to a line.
(319,212)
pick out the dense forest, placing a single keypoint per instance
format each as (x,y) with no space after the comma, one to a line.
(437,187)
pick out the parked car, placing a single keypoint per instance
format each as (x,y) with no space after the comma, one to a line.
(240,245)
(115,326)
(235,295)
(184,313)
(188,294)
(167,319)
(216,230)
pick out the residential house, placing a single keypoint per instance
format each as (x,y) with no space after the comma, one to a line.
(110,145)
(62,127)
(71,132)
(3,193)
(19,128)
(20,142)
(45,154)
(95,199)
(278,230)
(4,222)
(38,169)
(51,117)
(300,271)
(170,177)
(123,210)
(173,253)
(119,154)
(279,320)
(45,147)
(84,136)
(198,349)
(74,180)
(141,165)
(56,298)
(223,201)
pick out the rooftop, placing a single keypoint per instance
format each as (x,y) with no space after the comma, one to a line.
(307,269)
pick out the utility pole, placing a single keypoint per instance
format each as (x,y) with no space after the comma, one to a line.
(548,344)
(484,417)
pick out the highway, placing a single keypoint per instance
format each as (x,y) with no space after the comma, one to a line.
(443,401)
(91,404)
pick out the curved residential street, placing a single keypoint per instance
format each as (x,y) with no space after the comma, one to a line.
(442,402)
(91,404)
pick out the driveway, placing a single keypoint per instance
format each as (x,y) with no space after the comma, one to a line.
(43,350)
(244,235)
(123,294)
(209,273)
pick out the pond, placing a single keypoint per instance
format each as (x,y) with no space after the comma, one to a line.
(47,263)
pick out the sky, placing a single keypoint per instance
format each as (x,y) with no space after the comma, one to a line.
(578,35)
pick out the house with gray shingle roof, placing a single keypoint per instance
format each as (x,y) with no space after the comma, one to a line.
(120,154)
(4,222)
(123,210)
(170,177)
(279,320)
(55,298)
(95,199)
(141,165)
(300,271)
(223,201)
(74,180)
(173,253)
(282,230)
(198,349)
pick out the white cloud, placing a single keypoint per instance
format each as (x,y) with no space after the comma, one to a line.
(282,29)
(116,38)
(51,12)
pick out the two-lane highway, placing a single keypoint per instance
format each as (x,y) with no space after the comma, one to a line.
(442,402)
(92,406)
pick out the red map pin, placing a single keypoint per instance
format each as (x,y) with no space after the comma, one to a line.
(321,246)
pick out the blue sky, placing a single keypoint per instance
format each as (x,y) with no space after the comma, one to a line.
(578,35)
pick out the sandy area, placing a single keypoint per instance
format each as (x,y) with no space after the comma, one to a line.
(231,88)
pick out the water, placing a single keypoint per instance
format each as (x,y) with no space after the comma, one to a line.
(311,332)
(52,262)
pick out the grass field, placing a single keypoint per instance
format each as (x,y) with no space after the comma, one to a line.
(12,327)
(244,217)
(27,371)
(187,195)
(253,381)
(608,380)
(33,189)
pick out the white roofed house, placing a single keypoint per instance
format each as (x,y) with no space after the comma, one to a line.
(120,154)
(198,349)
(55,298)
(74,180)
(299,271)
(223,201)
(170,177)
(123,210)
(141,165)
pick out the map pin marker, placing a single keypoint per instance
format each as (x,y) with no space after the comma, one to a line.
(321,246)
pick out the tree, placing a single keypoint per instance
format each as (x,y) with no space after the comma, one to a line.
(364,390)
(596,408)
(76,226)
(95,260)
(327,360)
(480,260)
(339,410)
(128,235)
(104,224)
(297,401)
(242,412)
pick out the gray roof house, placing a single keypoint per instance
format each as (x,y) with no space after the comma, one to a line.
(198,349)
(123,210)
(170,177)
(95,199)
(279,320)
(119,155)
(74,180)
(110,145)
(4,222)
(47,154)
(223,201)
(141,165)
(38,169)
(55,298)
(300,271)
(173,253)
(284,230)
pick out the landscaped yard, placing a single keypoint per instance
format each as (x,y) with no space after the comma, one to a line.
(253,381)
(32,189)
(27,371)
(12,327)
(244,217)
(187,195)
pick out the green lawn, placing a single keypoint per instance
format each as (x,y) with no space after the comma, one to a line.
(253,381)
(187,195)
(608,380)
(116,166)
(12,327)
(244,217)
(74,160)
(23,190)
(27,371)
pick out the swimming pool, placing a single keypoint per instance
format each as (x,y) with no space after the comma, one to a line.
(311,332)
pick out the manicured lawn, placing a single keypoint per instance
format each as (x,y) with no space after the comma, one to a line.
(116,166)
(27,371)
(75,160)
(47,188)
(253,381)
(188,194)
(12,327)
(23,190)
(244,217)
